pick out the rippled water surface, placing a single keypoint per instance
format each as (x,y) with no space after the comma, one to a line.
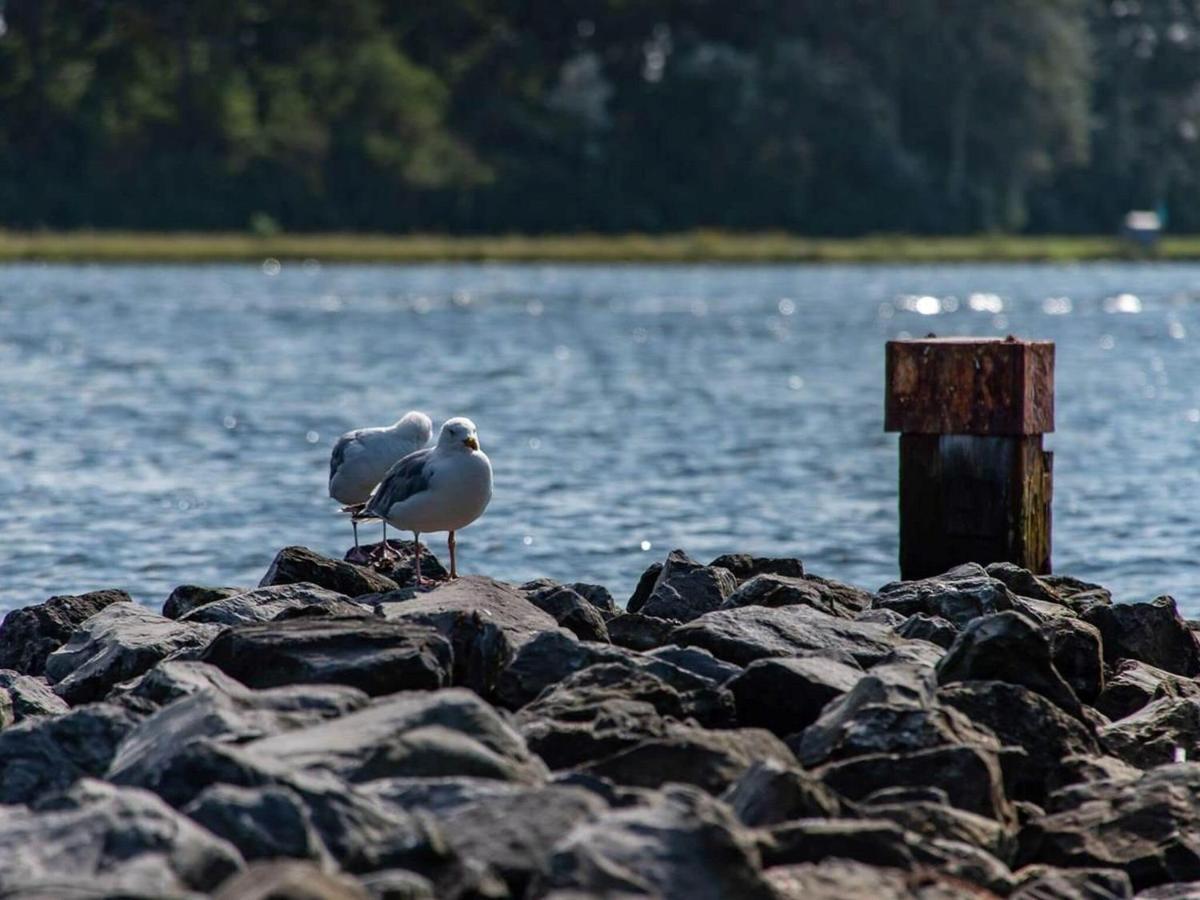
(173,424)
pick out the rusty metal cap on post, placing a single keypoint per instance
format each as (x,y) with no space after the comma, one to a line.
(965,385)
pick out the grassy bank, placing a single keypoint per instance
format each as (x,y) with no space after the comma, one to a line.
(700,246)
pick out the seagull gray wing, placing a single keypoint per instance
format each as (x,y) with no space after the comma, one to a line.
(339,453)
(408,477)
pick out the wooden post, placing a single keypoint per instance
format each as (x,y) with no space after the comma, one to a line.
(975,483)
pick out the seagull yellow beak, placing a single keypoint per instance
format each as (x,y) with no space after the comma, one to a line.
(472,442)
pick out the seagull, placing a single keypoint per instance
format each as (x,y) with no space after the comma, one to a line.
(443,488)
(361,459)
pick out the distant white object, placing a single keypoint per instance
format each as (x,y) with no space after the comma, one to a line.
(444,488)
(1143,226)
(362,458)
(1180,754)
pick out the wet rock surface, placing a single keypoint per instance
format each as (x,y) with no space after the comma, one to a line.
(742,729)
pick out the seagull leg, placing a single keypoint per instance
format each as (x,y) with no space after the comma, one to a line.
(453,564)
(385,543)
(354,525)
(417,579)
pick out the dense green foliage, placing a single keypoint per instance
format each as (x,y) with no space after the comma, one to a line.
(845,117)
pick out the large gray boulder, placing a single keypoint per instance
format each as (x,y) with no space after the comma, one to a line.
(1156,733)
(682,846)
(685,589)
(26,697)
(371,654)
(100,840)
(28,636)
(781,590)
(263,823)
(486,622)
(41,756)
(297,565)
(545,661)
(771,792)
(1135,685)
(186,597)
(264,604)
(570,610)
(1077,652)
(1152,633)
(960,595)
(120,642)
(1021,718)
(637,632)
(744,566)
(787,694)
(1150,827)
(1007,647)
(711,760)
(748,633)
(445,733)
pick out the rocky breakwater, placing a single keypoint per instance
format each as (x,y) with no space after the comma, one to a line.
(740,729)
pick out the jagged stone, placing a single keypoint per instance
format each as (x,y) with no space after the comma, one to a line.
(637,632)
(770,792)
(300,565)
(1152,633)
(1135,685)
(1007,647)
(571,611)
(120,642)
(748,633)
(934,629)
(28,636)
(486,622)
(263,823)
(1077,653)
(744,566)
(681,846)
(265,604)
(1155,734)
(781,590)
(786,695)
(187,597)
(373,655)
(839,879)
(26,697)
(288,879)
(685,590)
(698,662)
(1040,882)
(960,595)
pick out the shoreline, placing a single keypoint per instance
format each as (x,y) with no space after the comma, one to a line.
(773,248)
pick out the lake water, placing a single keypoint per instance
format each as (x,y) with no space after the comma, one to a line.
(167,425)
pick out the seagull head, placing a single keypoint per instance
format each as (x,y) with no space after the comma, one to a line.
(458,434)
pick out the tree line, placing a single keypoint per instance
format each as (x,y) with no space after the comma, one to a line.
(483,116)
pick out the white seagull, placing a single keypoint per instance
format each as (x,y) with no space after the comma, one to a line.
(443,488)
(361,459)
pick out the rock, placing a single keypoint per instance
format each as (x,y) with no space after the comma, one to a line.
(1019,717)
(101,840)
(568,730)
(398,884)
(927,812)
(153,754)
(299,565)
(289,880)
(786,695)
(373,655)
(686,590)
(638,632)
(698,662)
(41,756)
(645,586)
(1146,827)
(1047,883)
(920,654)
(960,595)
(1136,684)
(170,680)
(28,636)
(1007,647)
(1023,582)
(1079,595)
(263,823)
(840,879)
(1079,771)
(711,760)
(26,697)
(1154,734)
(743,635)
(744,566)
(570,611)
(770,792)
(187,597)
(485,621)
(1152,633)
(400,567)
(934,629)
(682,846)
(449,732)
(546,660)
(672,691)
(513,832)
(880,616)
(598,596)
(1077,654)
(266,603)
(970,776)
(891,709)
(120,642)
(780,590)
